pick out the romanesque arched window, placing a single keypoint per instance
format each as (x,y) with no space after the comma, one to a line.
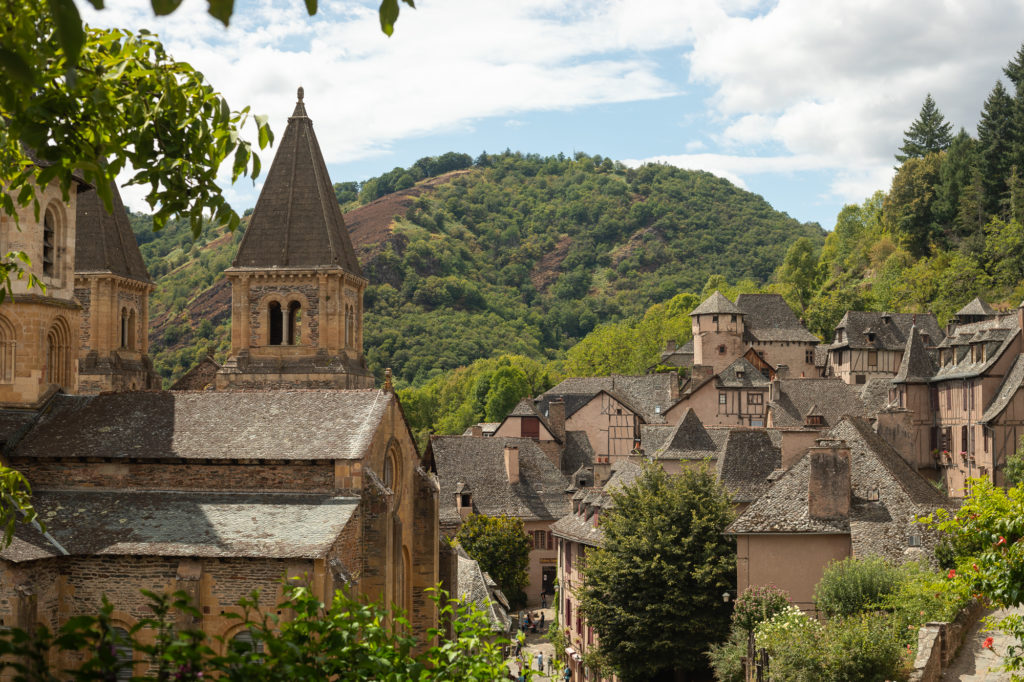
(294,323)
(124,327)
(6,352)
(275,323)
(58,354)
(50,242)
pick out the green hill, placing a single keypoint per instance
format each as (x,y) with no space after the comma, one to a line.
(509,253)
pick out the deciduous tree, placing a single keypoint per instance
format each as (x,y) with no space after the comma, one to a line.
(502,547)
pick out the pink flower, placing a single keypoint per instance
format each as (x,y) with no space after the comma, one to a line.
(987,643)
(1002,541)
(951,574)
(975,567)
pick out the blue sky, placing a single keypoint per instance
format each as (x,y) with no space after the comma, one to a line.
(801,101)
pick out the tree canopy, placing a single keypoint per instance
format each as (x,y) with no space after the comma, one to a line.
(501,546)
(928,134)
(653,590)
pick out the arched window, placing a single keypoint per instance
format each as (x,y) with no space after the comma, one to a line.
(49,242)
(294,323)
(389,469)
(276,326)
(124,327)
(124,654)
(58,354)
(6,352)
(350,327)
(243,642)
(131,329)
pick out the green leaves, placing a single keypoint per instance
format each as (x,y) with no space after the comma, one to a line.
(388,14)
(68,22)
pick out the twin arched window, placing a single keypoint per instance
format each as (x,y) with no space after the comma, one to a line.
(285,326)
(127,328)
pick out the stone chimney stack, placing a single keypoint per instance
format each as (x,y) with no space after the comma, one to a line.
(556,418)
(670,346)
(476,431)
(828,488)
(512,463)
(674,385)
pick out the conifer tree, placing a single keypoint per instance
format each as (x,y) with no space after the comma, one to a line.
(995,146)
(955,175)
(931,132)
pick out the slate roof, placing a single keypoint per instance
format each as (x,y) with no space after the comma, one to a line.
(875,394)
(579,526)
(273,424)
(644,393)
(14,424)
(767,317)
(890,329)
(749,458)
(916,365)
(1012,382)
(717,304)
(976,308)
(202,376)
(875,527)
(689,440)
(176,523)
(821,356)
(474,587)
(297,222)
(104,242)
(741,374)
(796,397)
(577,451)
(682,356)
(998,335)
(479,463)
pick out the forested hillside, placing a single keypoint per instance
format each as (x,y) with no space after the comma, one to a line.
(509,253)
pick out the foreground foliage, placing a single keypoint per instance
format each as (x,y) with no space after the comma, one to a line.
(345,639)
(653,591)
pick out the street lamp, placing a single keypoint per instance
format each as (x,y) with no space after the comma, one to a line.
(725,597)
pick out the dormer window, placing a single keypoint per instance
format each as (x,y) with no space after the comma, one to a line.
(815,420)
(466,500)
(740,373)
(582,483)
(872,495)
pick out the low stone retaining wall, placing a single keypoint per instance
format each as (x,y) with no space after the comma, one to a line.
(938,643)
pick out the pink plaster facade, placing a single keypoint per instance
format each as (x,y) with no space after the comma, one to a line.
(724,406)
(611,427)
(769,560)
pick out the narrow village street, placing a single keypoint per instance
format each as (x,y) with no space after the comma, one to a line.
(977,663)
(537,643)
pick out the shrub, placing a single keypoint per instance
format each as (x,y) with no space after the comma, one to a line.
(727,658)
(863,648)
(854,585)
(757,604)
(794,644)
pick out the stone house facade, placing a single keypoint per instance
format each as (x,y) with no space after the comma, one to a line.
(869,345)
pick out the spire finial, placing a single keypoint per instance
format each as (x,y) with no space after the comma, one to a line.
(301,93)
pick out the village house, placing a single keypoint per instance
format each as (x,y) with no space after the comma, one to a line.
(159,490)
(851,494)
(869,345)
(802,409)
(503,476)
(736,396)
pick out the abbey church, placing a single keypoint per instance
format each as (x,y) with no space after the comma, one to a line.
(292,464)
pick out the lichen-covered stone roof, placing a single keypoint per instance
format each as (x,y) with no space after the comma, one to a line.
(877,527)
(716,304)
(651,395)
(890,330)
(1012,382)
(297,222)
(997,335)
(976,308)
(742,374)
(916,365)
(175,523)
(202,376)
(689,440)
(271,424)
(767,317)
(104,242)
(479,463)
(796,398)
(473,588)
(748,459)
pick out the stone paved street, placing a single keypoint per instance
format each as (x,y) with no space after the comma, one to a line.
(537,643)
(975,663)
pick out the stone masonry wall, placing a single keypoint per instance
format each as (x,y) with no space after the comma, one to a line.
(285,292)
(84,296)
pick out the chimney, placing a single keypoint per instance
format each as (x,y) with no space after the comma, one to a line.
(674,384)
(556,418)
(670,346)
(782,371)
(476,431)
(512,463)
(828,487)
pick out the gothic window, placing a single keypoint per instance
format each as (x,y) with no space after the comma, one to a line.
(49,242)
(294,323)
(58,354)
(389,469)
(6,352)
(350,327)
(275,323)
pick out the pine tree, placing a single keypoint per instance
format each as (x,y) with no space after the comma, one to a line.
(1015,70)
(955,176)
(995,146)
(931,132)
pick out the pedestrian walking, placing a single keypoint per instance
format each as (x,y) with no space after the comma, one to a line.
(540,662)
(542,621)
(567,674)
(543,600)
(551,664)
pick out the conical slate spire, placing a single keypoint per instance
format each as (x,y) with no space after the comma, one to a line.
(916,366)
(104,242)
(297,221)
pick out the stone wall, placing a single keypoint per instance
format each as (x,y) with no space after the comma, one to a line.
(303,476)
(938,643)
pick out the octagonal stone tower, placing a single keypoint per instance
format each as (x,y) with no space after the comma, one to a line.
(296,285)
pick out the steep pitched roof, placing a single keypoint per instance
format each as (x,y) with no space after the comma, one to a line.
(297,221)
(796,398)
(890,330)
(875,394)
(749,458)
(1012,382)
(176,523)
(689,440)
(474,587)
(877,527)
(998,335)
(273,424)
(479,463)
(718,304)
(104,242)
(916,365)
(741,374)
(650,395)
(767,317)
(976,308)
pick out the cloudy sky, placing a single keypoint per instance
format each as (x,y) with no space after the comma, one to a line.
(802,101)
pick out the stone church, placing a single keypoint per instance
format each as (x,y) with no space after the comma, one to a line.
(296,465)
